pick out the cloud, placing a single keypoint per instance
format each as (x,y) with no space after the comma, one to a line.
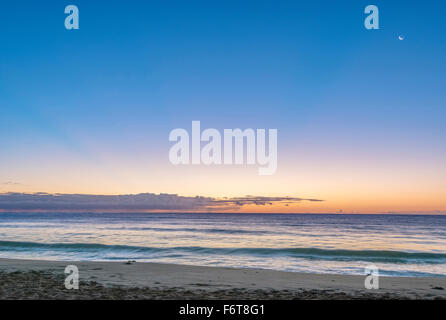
(143,201)
(10,183)
(261,201)
(132,202)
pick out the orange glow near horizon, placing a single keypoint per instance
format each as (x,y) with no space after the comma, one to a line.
(366,189)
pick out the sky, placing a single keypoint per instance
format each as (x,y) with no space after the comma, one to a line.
(360,114)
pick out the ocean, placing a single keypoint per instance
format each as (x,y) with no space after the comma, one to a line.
(398,245)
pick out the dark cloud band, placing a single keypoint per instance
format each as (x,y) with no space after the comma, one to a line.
(144,201)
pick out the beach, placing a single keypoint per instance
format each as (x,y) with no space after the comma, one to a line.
(224,256)
(38,279)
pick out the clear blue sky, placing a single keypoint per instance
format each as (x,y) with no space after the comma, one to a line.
(137,69)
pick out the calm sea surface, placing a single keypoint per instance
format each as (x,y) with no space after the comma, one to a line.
(403,245)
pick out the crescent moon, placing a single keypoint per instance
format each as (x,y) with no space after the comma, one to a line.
(401,38)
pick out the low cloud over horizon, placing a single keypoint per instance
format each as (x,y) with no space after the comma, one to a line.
(13,201)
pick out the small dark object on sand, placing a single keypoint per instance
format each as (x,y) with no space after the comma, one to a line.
(130,262)
(438,288)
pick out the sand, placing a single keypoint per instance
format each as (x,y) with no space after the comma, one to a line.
(35,279)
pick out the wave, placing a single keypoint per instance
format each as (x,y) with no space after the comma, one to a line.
(305,253)
(195,230)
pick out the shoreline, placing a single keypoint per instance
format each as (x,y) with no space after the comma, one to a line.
(40,279)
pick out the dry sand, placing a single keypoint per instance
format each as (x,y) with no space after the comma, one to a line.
(33,279)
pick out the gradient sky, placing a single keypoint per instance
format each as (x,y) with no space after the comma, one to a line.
(360,114)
